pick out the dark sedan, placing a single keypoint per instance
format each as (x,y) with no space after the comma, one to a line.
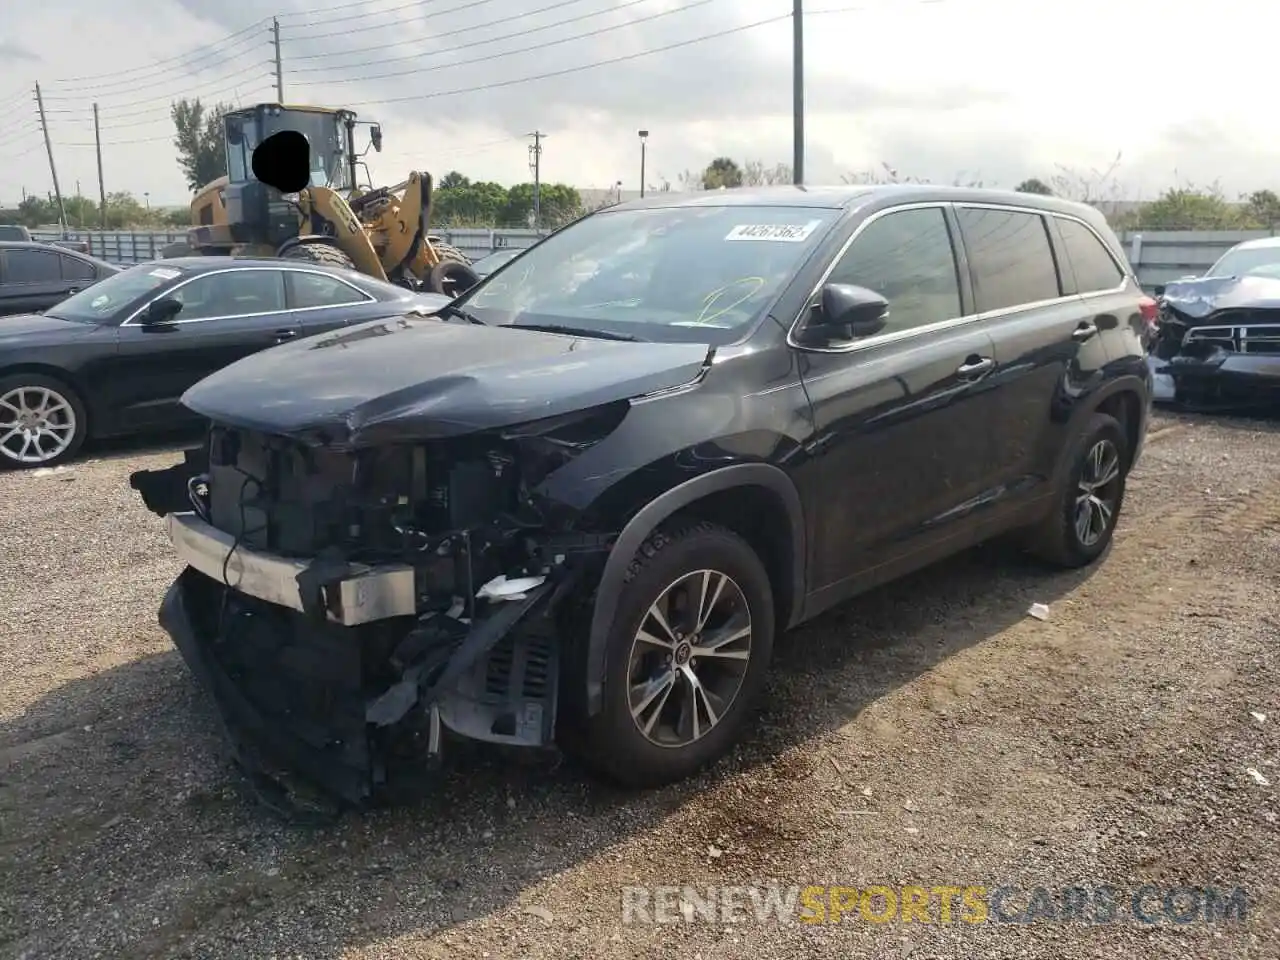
(34,276)
(113,359)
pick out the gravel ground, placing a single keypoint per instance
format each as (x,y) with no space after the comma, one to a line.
(930,733)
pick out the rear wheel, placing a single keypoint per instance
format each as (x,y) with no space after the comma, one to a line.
(325,254)
(1084,517)
(42,421)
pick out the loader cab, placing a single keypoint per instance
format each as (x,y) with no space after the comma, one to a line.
(257,213)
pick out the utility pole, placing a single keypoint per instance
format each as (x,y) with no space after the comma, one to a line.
(275,38)
(797,92)
(102,188)
(535,164)
(53,169)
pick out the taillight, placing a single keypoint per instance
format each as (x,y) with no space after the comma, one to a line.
(1150,310)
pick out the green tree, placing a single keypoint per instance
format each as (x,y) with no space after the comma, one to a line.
(36,211)
(721,172)
(1186,208)
(1262,207)
(559,203)
(452,181)
(1034,185)
(124,211)
(469,204)
(199,139)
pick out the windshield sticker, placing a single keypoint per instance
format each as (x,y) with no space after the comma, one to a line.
(777,232)
(164,273)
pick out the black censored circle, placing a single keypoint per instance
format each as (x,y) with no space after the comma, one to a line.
(283,161)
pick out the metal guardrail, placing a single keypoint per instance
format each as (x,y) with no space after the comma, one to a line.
(127,247)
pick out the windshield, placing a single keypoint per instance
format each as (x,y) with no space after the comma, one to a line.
(695,273)
(101,302)
(325,133)
(1258,261)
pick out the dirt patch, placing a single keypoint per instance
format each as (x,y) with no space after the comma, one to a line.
(930,734)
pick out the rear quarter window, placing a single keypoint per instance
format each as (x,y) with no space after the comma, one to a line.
(1010,258)
(1094,267)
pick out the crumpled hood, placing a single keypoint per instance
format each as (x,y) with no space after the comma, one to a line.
(34,329)
(412,379)
(1201,298)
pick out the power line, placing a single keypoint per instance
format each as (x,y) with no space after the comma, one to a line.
(179,60)
(453,33)
(571,70)
(377,13)
(391,23)
(529,49)
(113,111)
(228,67)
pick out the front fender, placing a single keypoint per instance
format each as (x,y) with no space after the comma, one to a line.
(650,517)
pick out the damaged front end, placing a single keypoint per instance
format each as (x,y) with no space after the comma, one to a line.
(1218,342)
(346,607)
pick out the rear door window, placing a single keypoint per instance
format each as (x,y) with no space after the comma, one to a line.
(1010,257)
(906,257)
(316,290)
(1094,267)
(73,268)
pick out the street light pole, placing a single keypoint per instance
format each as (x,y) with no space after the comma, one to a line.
(797,90)
(644,136)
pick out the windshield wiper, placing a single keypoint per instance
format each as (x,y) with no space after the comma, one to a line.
(449,310)
(577,331)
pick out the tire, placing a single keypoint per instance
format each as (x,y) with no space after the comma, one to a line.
(447,251)
(612,742)
(452,278)
(178,249)
(1057,539)
(60,405)
(325,254)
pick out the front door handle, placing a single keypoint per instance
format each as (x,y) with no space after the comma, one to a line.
(285,333)
(71,290)
(1083,332)
(975,367)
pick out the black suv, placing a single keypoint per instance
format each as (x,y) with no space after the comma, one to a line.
(580,504)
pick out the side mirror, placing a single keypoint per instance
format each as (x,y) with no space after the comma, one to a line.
(161,312)
(375,137)
(848,311)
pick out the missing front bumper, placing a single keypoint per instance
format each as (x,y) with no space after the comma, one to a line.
(346,710)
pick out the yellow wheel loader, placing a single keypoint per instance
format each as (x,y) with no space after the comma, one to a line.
(380,232)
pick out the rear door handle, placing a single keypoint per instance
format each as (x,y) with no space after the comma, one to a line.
(975,367)
(285,333)
(1083,332)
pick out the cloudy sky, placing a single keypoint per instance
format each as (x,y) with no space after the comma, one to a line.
(991,90)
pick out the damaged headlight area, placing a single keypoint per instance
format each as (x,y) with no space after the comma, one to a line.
(344,608)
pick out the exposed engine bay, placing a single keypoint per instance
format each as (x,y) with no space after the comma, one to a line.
(345,608)
(1218,340)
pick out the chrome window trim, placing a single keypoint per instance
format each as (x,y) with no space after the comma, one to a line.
(128,322)
(880,339)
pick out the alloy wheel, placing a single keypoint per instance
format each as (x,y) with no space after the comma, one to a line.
(689,658)
(1097,492)
(36,424)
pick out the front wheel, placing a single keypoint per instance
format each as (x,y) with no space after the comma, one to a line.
(42,421)
(1084,517)
(687,654)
